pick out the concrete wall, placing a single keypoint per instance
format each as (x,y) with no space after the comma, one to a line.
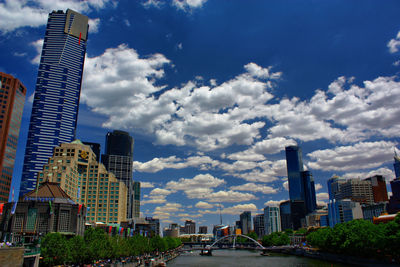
(11,257)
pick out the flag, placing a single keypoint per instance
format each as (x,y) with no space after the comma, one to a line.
(109,229)
(14,207)
(79,193)
(51,209)
(129,232)
(79,209)
(122,230)
(1,208)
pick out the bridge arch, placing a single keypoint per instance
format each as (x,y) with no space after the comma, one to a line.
(234,241)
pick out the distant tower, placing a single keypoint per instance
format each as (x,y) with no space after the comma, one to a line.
(301,186)
(12,98)
(396,165)
(245,220)
(118,160)
(58,87)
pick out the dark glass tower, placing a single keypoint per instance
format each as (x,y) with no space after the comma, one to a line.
(118,160)
(301,186)
(58,86)
(396,165)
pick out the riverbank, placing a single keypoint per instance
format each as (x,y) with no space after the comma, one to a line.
(325,256)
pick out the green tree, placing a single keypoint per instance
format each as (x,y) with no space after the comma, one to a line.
(158,243)
(98,244)
(77,250)
(54,249)
(253,235)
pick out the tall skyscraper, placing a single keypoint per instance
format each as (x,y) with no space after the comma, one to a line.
(58,86)
(396,165)
(245,221)
(272,220)
(301,186)
(12,99)
(259,225)
(284,209)
(118,160)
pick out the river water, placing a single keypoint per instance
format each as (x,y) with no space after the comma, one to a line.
(246,258)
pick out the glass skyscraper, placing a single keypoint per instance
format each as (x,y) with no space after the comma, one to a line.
(118,160)
(12,99)
(301,186)
(58,86)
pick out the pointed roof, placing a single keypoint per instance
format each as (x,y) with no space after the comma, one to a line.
(48,191)
(77,141)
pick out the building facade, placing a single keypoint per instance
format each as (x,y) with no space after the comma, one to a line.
(357,190)
(272,220)
(154,225)
(340,211)
(49,209)
(284,209)
(118,160)
(190,227)
(12,99)
(87,182)
(258,224)
(245,221)
(203,230)
(301,186)
(379,190)
(58,86)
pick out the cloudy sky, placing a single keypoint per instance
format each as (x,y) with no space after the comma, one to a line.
(213,91)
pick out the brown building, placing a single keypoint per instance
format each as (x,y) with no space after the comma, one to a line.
(37,213)
(87,182)
(378,188)
(12,99)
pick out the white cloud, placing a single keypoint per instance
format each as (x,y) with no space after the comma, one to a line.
(38,46)
(159,164)
(322,196)
(252,187)
(146,185)
(156,196)
(94,25)
(229,196)
(394,44)
(203,205)
(22,13)
(127,23)
(286,185)
(188,5)
(385,172)
(273,203)
(363,155)
(179,46)
(236,210)
(318,187)
(153,3)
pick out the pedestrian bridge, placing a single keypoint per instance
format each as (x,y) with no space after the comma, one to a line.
(214,246)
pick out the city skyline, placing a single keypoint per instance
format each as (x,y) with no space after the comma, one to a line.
(213,92)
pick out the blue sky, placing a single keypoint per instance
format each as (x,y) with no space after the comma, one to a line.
(213,91)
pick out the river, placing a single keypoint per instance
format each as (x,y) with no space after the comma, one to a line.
(246,258)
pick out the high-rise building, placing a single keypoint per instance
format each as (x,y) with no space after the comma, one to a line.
(95,148)
(301,186)
(334,184)
(259,225)
(357,190)
(118,159)
(245,221)
(190,227)
(154,225)
(379,190)
(345,210)
(272,220)
(286,221)
(12,99)
(58,86)
(396,165)
(87,182)
(203,230)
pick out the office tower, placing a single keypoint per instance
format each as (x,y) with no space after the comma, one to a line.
(118,160)
(154,225)
(340,211)
(301,186)
(12,99)
(379,190)
(190,227)
(309,191)
(58,86)
(95,148)
(87,182)
(272,220)
(136,200)
(259,226)
(357,190)
(334,184)
(396,165)
(245,221)
(203,230)
(286,221)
